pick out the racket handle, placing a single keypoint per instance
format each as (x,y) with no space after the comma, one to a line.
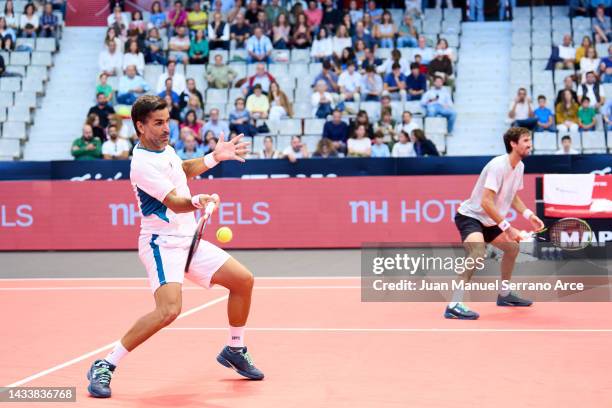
(210,207)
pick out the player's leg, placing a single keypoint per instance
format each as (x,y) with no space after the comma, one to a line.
(511,250)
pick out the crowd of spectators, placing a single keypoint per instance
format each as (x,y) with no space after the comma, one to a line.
(37,19)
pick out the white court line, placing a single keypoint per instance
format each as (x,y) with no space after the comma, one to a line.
(391,330)
(145,278)
(77,288)
(106,347)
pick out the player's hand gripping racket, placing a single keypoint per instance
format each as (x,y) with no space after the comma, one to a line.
(197,236)
(569,234)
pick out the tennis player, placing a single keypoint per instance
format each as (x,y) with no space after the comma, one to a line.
(481,219)
(159,178)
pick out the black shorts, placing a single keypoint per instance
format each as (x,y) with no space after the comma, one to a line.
(466,225)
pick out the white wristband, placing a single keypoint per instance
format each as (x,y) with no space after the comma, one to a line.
(504,225)
(209,161)
(195,201)
(527,213)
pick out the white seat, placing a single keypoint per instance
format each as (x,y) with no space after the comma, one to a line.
(20,58)
(282,142)
(19,114)
(372,109)
(435,125)
(216,95)
(238,55)
(439,139)
(241,70)
(520,53)
(46,44)
(14,130)
(10,147)
(298,70)
(235,93)
(289,127)
(298,55)
(12,84)
(541,51)
(315,68)
(196,71)
(594,142)
(311,142)
(302,110)
(38,71)
(28,99)
(314,126)
(31,84)
(6,99)
(42,58)
(545,141)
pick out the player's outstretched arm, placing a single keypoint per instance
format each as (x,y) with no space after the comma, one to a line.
(521,208)
(234,149)
(185,204)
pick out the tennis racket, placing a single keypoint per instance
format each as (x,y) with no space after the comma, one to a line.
(569,234)
(197,236)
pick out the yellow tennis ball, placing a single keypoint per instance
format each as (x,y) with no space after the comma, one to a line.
(224,234)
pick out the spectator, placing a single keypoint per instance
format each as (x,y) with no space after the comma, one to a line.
(567,54)
(372,85)
(359,145)
(219,33)
(157,19)
(328,76)
(263,23)
(59,5)
(568,84)
(240,119)
(325,149)
(321,100)
(281,33)
(403,148)
(257,103)
(407,33)
(606,112)
(251,12)
(395,83)
(605,68)
(360,34)
(86,147)
(178,80)
(190,149)
(337,131)
(441,66)
(134,57)
(48,22)
(103,87)
(567,113)
(592,89)
(193,104)
(322,47)
(581,51)
(476,10)
(296,150)
(190,91)
(131,86)
(137,23)
(220,75)
(110,60)
(589,62)
(102,109)
(117,21)
(239,32)
(422,145)
(521,111)
(273,10)
(192,122)
(198,50)
(416,83)
(300,36)
(179,46)
(349,84)
(168,91)
(115,148)
(396,58)
(385,31)
(566,146)
(379,147)
(220,128)
(12,21)
(332,16)
(341,41)
(93,120)
(259,47)
(197,19)
(280,107)
(211,143)
(314,15)
(438,102)
(407,124)
(422,67)
(362,119)
(154,53)
(184,134)
(602,29)
(386,125)
(355,12)
(261,78)
(545,117)
(426,53)
(442,48)
(586,116)
(177,17)
(268,151)
(7,36)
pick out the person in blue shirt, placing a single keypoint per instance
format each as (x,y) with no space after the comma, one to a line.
(337,131)
(168,91)
(545,117)
(395,83)
(259,47)
(379,148)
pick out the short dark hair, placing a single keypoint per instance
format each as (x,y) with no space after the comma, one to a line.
(326,64)
(370,68)
(145,105)
(566,137)
(540,97)
(585,98)
(395,66)
(100,93)
(513,135)
(414,65)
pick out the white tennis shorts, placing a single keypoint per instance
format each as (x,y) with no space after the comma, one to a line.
(164,259)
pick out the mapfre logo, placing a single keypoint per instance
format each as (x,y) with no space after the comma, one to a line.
(594,237)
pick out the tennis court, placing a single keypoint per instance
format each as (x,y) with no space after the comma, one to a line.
(317,343)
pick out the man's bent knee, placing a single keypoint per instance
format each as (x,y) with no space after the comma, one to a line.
(168,313)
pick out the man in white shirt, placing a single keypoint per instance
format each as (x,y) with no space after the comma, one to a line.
(296,150)
(521,111)
(259,47)
(438,102)
(426,53)
(593,90)
(350,83)
(567,53)
(566,146)
(110,60)
(115,148)
(179,46)
(178,80)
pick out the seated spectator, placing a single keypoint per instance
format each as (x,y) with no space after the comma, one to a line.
(443,48)
(131,86)
(314,15)
(154,53)
(240,119)
(177,17)
(347,56)
(426,53)
(386,125)
(441,66)
(220,75)
(593,90)
(211,143)
(110,60)
(262,78)
(407,33)
(332,16)
(521,111)
(438,102)
(239,32)
(12,20)
(191,90)
(197,19)
(263,23)
(396,58)
(184,133)
(341,41)
(584,46)
(280,107)
(422,145)
(579,8)
(179,46)
(168,91)
(407,124)
(362,119)
(251,12)
(157,18)
(566,146)
(322,101)
(258,104)
(544,116)
(7,36)
(374,12)
(300,34)
(178,79)
(103,109)
(268,151)
(273,10)
(137,23)
(175,111)
(379,147)
(48,22)
(296,150)
(86,147)
(586,116)
(416,83)
(193,104)
(219,33)
(605,68)
(198,50)
(359,145)
(589,63)
(370,61)
(404,147)
(93,120)
(355,12)
(134,57)
(337,131)
(115,148)
(103,87)
(567,54)
(349,84)
(192,122)
(361,35)
(568,84)
(322,47)
(566,113)
(117,20)
(371,85)
(395,83)
(325,149)
(418,61)
(281,33)
(190,149)
(259,47)
(220,128)
(385,31)
(601,26)
(328,76)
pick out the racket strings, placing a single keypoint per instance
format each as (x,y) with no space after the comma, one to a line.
(570,234)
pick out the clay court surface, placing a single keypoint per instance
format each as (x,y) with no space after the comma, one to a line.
(317,343)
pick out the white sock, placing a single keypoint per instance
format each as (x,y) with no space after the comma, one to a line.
(117,354)
(457,297)
(236,336)
(504,292)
